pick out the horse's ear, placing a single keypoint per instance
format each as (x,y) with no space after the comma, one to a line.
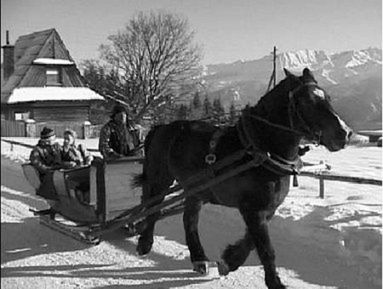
(308,75)
(287,73)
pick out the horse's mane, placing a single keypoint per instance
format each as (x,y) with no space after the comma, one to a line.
(264,103)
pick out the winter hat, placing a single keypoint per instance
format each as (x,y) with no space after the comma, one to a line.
(46,133)
(117,109)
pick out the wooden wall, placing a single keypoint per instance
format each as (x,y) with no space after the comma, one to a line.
(51,111)
(61,114)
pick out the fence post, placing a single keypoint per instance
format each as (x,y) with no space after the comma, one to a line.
(30,128)
(86,129)
(321,186)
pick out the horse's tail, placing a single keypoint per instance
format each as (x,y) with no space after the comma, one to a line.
(138,180)
(149,138)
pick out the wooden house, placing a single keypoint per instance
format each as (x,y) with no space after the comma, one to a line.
(42,83)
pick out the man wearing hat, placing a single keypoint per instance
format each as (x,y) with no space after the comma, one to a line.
(117,137)
(46,157)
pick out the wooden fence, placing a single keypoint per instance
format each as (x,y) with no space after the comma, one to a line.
(12,128)
(32,129)
(320,172)
(323,175)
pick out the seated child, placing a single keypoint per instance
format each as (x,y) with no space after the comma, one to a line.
(76,156)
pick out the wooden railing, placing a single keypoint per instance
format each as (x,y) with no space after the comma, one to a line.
(321,172)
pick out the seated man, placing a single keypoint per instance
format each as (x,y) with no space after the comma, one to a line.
(117,137)
(46,158)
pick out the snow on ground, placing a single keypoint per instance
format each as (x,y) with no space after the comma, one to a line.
(333,242)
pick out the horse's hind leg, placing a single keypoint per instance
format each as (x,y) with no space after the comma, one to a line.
(257,223)
(190,218)
(145,241)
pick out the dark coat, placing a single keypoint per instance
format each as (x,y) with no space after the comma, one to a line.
(46,157)
(117,140)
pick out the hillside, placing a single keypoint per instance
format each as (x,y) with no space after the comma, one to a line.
(352,78)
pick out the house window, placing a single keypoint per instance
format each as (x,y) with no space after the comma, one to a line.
(22,115)
(53,76)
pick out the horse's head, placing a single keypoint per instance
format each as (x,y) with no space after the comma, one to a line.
(311,112)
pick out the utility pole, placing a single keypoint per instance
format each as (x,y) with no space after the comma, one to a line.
(275,65)
(273,78)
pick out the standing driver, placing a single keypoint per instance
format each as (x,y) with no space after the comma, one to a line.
(117,137)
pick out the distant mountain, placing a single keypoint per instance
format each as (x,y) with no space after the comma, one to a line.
(353,79)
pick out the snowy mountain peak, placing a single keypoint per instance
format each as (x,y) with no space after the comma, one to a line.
(297,60)
(361,57)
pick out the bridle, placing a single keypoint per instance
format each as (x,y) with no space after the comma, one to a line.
(303,129)
(292,110)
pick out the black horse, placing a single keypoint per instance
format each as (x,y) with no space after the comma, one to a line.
(271,132)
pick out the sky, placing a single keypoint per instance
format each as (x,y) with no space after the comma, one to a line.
(227,30)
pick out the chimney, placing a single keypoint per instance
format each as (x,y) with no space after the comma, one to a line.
(9,62)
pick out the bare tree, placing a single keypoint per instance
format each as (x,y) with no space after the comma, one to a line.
(148,62)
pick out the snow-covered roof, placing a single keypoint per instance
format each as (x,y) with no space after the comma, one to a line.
(28,94)
(52,61)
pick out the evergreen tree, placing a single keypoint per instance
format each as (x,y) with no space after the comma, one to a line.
(218,111)
(182,112)
(196,101)
(195,109)
(232,114)
(207,108)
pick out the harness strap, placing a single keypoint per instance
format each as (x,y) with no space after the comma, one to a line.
(272,162)
(211,158)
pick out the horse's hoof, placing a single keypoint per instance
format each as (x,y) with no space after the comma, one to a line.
(143,248)
(201,267)
(223,268)
(276,284)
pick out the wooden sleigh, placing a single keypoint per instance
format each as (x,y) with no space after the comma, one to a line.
(77,212)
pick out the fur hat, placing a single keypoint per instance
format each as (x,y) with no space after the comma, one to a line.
(117,109)
(46,133)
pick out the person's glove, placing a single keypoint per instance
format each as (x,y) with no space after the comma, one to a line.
(69,165)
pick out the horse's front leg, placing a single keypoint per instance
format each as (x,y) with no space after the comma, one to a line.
(190,219)
(235,255)
(257,223)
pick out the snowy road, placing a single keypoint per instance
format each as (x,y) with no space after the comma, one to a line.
(310,253)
